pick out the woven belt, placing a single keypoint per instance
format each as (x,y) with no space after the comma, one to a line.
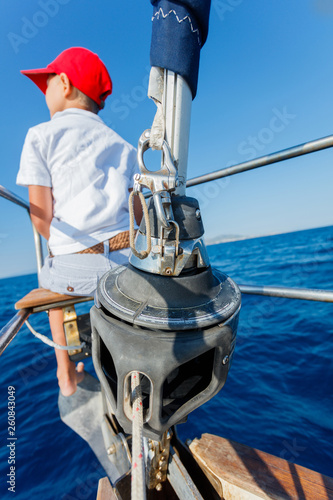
(121,240)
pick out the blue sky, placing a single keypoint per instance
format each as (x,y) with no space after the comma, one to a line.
(265,83)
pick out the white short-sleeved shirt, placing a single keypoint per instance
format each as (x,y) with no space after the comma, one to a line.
(90,169)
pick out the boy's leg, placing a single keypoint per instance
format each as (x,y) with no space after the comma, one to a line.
(68,375)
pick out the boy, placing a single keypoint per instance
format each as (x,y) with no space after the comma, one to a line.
(79,174)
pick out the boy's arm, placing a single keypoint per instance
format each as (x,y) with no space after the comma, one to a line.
(41,209)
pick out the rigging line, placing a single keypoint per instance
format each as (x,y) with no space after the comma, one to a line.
(50,342)
(144,253)
(138,467)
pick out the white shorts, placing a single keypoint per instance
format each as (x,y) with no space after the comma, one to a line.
(79,274)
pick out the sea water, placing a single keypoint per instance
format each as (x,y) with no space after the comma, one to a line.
(278,396)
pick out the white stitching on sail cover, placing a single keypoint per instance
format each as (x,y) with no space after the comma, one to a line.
(160,11)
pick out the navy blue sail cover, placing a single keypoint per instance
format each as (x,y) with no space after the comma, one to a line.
(179,32)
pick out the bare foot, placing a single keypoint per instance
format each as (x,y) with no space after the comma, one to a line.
(68,381)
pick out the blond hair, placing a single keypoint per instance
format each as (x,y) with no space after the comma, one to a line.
(87,102)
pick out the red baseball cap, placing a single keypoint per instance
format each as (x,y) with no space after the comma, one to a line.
(84,69)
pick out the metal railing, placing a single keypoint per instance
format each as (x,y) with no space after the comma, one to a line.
(11,329)
(289,293)
(8,195)
(13,326)
(262,161)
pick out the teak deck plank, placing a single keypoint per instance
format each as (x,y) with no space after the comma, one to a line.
(243,473)
(41,297)
(105,490)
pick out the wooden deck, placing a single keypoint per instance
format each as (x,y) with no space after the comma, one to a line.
(239,472)
(105,490)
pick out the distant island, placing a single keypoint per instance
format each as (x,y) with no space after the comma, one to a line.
(226,238)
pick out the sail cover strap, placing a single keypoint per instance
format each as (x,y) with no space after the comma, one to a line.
(179,32)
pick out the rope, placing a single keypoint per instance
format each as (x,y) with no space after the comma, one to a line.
(49,342)
(138,467)
(144,254)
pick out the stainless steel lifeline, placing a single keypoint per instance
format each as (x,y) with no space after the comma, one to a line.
(9,331)
(288,293)
(8,195)
(262,161)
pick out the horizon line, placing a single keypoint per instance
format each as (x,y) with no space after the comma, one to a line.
(208,243)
